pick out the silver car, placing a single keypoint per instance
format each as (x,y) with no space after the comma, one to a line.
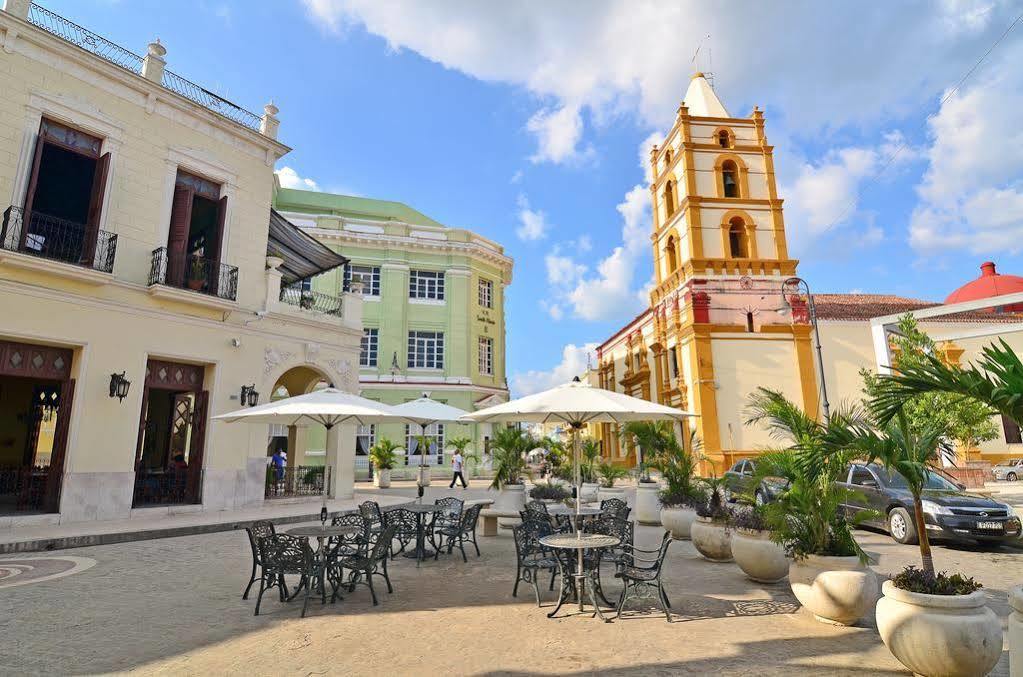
(1010,470)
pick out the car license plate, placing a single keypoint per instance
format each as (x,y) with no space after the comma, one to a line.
(997,526)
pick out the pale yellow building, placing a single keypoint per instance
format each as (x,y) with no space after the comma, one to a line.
(137,297)
(719,325)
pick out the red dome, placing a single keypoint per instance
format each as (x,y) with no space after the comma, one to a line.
(990,283)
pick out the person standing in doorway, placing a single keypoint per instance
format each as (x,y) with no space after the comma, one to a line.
(457,461)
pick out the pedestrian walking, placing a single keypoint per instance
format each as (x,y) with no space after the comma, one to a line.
(457,461)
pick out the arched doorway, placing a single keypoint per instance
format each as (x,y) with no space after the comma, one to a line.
(296,455)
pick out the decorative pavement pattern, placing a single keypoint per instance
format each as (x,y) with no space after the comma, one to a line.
(35,569)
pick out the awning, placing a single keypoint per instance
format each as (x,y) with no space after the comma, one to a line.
(303,255)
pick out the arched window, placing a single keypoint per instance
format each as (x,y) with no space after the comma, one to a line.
(730,177)
(669,198)
(724,139)
(671,254)
(738,242)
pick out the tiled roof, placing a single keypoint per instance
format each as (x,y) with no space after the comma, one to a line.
(867,306)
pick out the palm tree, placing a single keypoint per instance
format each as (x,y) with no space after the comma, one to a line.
(509,446)
(651,437)
(460,444)
(678,464)
(996,380)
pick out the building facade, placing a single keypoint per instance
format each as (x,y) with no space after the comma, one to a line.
(137,298)
(433,311)
(722,319)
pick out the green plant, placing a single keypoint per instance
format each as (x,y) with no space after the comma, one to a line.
(588,463)
(197,269)
(677,464)
(509,447)
(714,506)
(808,515)
(383,454)
(460,444)
(651,439)
(609,473)
(918,580)
(551,492)
(751,518)
(313,476)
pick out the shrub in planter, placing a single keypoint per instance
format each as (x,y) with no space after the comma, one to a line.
(760,558)
(610,473)
(681,495)
(384,457)
(711,533)
(549,492)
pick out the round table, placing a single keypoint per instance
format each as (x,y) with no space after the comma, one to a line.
(565,511)
(322,532)
(421,510)
(576,582)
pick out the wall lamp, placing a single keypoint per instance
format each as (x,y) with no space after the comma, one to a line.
(249,396)
(119,386)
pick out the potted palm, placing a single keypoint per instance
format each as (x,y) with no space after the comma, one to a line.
(509,447)
(461,445)
(609,473)
(759,557)
(828,572)
(196,273)
(651,439)
(423,444)
(384,457)
(681,495)
(549,492)
(711,533)
(588,470)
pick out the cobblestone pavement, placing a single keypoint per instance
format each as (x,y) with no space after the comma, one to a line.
(174,606)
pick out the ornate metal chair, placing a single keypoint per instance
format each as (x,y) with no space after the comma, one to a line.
(353,544)
(531,557)
(616,507)
(370,510)
(639,568)
(449,517)
(406,528)
(285,555)
(258,530)
(364,567)
(459,533)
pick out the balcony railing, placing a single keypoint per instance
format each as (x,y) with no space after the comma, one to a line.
(57,239)
(195,273)
(311,300)
(103,48)
(295,481)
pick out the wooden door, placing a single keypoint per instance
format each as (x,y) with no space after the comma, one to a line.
(99,188)
(55,476)
(177,238)
(198,445)
(30,194)
(216,254)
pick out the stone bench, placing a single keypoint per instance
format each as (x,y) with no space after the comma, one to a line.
(490,516)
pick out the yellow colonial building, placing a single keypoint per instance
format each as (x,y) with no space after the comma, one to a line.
(723,320)
(137,297)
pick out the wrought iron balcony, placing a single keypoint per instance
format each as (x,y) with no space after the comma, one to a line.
(61,240)
(196,273)
(91,42)
(311,300)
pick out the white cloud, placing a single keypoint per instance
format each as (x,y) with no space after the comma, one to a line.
(562,271)
(598,63)
(553,309)
(289,178)
(573,363)
(534,223)
(583,243)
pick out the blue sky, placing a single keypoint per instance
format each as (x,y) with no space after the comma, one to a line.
(527,123)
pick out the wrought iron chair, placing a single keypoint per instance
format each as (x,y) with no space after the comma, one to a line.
(285,555)
(364,567)
(370,510)
(449,517)
(459,533)
(531,557)
(258,530)
(616,507)
(352,544)
(406,529)
(639,568)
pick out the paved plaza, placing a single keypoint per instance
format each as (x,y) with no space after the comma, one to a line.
(173,606)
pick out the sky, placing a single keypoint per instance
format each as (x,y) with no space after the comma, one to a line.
(899,158)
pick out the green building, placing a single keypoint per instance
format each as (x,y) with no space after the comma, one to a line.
(433,313)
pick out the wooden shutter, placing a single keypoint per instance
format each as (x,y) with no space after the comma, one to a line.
(1011,430)
(177,238)
(99,188)
(30,194)
(218,247)
(195,453)
(55,476)
(143,417)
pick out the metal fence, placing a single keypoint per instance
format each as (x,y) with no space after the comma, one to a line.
(296,481)
(167,487)
(23,488)
(57,239)
(198,274)
(311,300)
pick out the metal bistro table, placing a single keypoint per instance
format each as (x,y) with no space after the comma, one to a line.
(322,533)
(421,510)
(576,582)
(579,514)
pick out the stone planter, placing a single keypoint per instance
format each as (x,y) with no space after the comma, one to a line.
(604,493)
(511,498)
(1016,632)
(836,590)
(760,558)
(712,540)
(648,503)
(382,478)
(678,522)
(588,492)
(939,634)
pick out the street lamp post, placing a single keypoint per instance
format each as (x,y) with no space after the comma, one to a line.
(792,285)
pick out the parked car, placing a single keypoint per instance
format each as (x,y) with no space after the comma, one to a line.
(949,512)
(1010,470)
(741,478)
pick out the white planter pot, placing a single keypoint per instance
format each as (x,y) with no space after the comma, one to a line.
(648,503)
(836,590)
(948,635)
(678,522)
(604,493)
(1016,632)
(382,478)
(274,262)
(511,498)
(588,492)
(713,541)
(760,558)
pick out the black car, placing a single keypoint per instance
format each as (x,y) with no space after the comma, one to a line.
(740,479)
(949,512)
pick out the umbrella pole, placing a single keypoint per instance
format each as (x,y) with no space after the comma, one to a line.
(576,452)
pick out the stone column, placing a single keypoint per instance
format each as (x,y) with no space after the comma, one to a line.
(18,8)
(269,124)
(341,459)
(273,283)
(153,64)
(1016,632)
(297,444)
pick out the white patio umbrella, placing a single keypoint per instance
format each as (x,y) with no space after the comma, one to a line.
(576,404)
(426,412)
